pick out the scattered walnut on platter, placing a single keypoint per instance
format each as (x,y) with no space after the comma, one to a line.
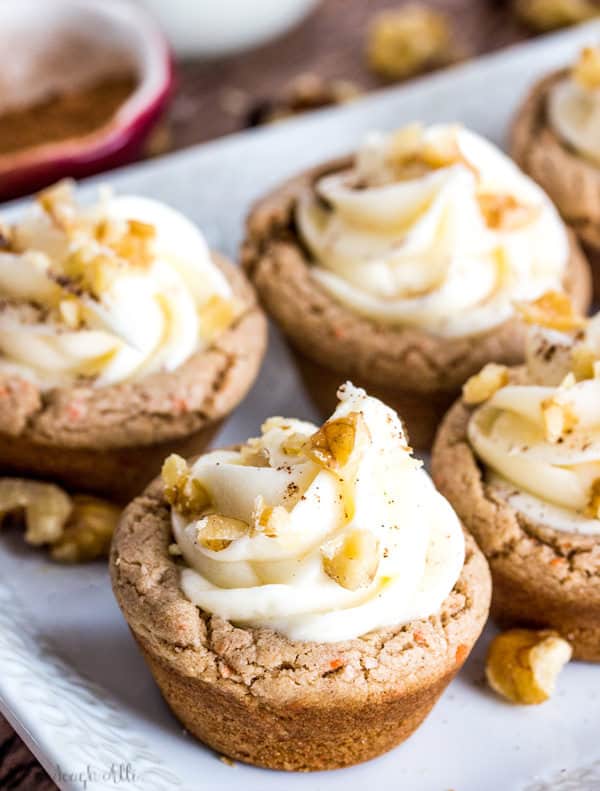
(523,665)
(74,529)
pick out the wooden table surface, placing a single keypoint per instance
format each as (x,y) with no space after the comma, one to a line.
(217,98)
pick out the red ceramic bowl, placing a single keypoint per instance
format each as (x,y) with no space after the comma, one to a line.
(39,45)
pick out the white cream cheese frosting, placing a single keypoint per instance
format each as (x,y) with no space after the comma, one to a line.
(433,228)
(320,534)
(539,437)
(106,293)
(574,106)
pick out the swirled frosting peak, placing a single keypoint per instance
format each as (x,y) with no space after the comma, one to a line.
(574,106)
(433,228)
(321,534)
(539,435)
(106,293)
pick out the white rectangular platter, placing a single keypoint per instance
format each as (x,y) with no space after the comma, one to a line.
(71,680)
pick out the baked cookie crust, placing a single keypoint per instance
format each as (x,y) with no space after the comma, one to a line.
(258,697)
(571,180)
(541,577)
(112,440)
(416,372)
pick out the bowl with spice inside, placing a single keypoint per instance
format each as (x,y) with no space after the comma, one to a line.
(82,84)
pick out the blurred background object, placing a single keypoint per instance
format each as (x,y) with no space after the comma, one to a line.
(82,84)
(207,28)
(544,15)
(239,64)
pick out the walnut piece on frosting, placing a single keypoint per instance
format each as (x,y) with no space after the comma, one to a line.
(269,520)
(353,561)
(402,42)
(182,491)
(558,415)
(522,665)
(483,385)
(505,213)
(75,529)
(553,310)
(587,69)
(333,444)
(216,532)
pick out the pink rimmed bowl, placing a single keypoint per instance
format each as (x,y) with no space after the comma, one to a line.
(50,46)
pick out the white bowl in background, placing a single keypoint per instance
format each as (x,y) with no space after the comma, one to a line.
(209,28)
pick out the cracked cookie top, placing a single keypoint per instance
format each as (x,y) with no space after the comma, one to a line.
(107,293)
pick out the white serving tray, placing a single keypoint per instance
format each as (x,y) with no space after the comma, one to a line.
(72,682)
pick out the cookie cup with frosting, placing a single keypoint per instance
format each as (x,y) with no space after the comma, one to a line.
(519,459)
(398,267)
(555,139)
(303,600)
(121,337)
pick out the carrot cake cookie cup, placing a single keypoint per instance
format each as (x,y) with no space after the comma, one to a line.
(302,601)
(519,459)
(398,267)
(556,140)
(121,337)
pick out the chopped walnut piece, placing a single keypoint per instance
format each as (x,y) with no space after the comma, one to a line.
(94,273)
(216,315)
(544,15)
(136,244)
(70,313)
(269,520)
(405,41)
(294,444)
(587,69)
(46,507)
(559,419)
(333,444)
(523,665)
(483,385)
(58,203)
(584,362)
(505,213)
(406,143)
(553,310)
(593,507)
(88,531)
(75,529)
(353,561)
(183,492)
(253,454)
(216,532)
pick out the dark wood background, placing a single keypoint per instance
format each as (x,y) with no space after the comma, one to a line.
(217,98)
